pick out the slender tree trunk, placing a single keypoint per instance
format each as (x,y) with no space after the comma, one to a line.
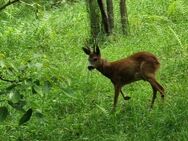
(124,16)
(94,17)
(110,13)
(104,17)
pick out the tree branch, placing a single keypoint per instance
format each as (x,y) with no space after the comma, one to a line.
(8,3)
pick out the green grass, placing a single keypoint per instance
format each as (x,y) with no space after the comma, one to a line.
(80,108)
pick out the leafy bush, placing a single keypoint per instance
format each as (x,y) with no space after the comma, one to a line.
(29,78)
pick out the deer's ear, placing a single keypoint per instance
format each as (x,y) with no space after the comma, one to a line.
(98,50)
(86,50)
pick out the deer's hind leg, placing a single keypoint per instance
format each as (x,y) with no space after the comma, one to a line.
(148,73)
(157,86)
(125,97)
(154,96)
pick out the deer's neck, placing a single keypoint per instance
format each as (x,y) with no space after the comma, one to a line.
(105,68)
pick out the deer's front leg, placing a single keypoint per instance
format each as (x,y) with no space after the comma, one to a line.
(117,91)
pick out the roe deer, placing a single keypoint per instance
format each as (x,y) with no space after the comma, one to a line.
(139,66)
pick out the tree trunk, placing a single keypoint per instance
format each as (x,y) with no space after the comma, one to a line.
(104,17)
(124,16)
(110,13)
(94,18)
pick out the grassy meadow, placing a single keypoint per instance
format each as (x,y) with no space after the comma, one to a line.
(78,107)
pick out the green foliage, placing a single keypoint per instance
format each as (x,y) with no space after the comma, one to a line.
(177,10)
(46,86)
(31,77)
(3,113)
(26,117)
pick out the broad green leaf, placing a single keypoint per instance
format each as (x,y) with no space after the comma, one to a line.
(3,113)
(26,117)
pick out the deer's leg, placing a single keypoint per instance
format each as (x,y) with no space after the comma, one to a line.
(161,88)
(148,73)
(157,86)
(125,97)
(154,96)
(117,91)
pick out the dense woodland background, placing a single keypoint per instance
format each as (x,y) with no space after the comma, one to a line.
(47,93)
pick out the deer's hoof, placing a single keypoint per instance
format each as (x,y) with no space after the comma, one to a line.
(127,97)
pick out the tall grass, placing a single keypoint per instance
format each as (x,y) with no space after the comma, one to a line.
(79,108)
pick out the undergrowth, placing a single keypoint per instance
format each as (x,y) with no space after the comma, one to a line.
(78,103)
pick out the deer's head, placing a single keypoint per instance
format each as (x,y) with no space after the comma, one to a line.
(94,57)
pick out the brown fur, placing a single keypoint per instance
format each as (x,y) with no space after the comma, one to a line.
(139,66)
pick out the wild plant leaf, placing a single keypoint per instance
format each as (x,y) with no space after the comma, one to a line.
(37,89)
(9,71)
(69,93)
(13,67)
(38,113)
(33,90)
(37,82)
(26,117)
(18,106)
(11,87)
(3,113)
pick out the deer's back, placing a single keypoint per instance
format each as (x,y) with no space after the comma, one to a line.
(128,68)
(144,56)
(137,59)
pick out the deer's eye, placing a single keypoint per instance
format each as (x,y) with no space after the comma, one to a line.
(95,59)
